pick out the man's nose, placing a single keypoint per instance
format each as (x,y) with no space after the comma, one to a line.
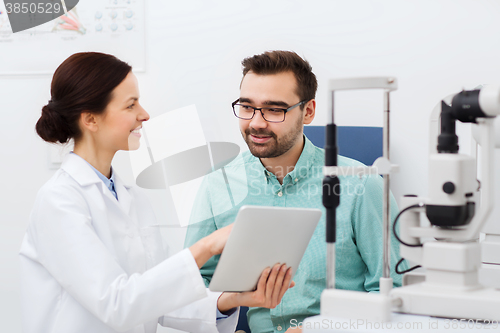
(258,120)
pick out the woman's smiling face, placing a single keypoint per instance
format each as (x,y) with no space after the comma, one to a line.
(120,124)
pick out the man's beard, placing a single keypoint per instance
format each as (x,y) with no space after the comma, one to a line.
(274,147)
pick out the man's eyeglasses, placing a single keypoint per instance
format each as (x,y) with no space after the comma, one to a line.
(272,115)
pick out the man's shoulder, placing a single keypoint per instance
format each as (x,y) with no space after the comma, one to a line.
(233,168)
(346,161)
(243,159)
(319,158)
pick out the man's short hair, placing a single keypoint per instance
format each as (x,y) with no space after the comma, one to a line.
(274,62)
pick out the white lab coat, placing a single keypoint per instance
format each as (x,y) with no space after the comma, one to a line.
(90,263)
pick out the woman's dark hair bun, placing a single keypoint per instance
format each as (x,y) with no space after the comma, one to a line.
(51,126)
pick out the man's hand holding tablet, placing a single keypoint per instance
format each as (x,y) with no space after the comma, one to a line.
(272,285)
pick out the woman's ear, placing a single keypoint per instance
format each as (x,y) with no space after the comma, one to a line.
(88,121)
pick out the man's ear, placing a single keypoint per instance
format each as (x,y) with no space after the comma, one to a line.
(88,121)
(310,111)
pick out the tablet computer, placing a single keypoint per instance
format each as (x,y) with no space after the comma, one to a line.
(262,237)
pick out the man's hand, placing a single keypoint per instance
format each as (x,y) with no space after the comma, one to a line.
(272,285)
(294,330)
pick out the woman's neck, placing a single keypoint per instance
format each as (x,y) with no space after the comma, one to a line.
(98,158)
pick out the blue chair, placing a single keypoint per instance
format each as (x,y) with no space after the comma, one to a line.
(360,143)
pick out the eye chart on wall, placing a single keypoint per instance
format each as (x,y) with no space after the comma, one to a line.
(110,26)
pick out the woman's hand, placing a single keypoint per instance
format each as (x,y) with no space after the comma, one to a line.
(218,239)
(272,285)
(210,245)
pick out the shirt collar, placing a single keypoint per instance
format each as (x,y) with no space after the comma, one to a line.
(107,181)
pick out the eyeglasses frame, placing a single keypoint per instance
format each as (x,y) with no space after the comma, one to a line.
(262,113)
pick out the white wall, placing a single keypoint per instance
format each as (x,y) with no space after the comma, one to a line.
(194,50)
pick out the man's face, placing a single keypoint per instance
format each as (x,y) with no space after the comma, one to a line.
(265,139)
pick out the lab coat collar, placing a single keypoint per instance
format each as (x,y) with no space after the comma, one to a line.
(79,170)
(82,173)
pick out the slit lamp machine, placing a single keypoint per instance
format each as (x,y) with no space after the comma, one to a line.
(439,232)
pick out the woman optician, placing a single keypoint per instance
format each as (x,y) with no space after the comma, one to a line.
(92,259)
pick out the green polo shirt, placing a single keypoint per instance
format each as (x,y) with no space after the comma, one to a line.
(358,265)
